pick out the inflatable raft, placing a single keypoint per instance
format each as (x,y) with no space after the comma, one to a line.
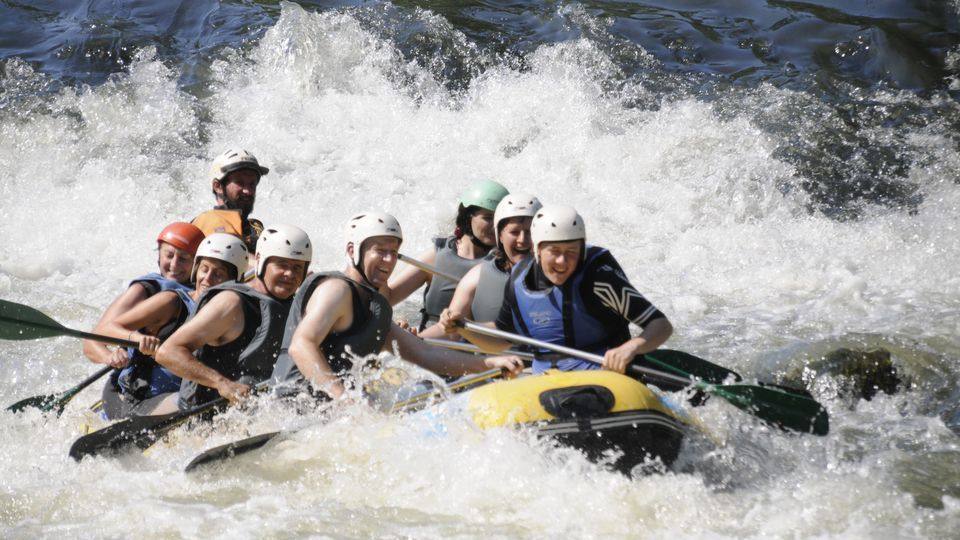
(593,411)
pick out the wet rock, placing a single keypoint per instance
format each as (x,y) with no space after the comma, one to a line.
(860,373)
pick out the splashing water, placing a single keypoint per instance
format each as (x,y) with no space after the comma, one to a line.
(755,215)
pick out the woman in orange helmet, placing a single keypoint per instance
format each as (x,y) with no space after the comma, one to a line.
(138,388)
(176,245)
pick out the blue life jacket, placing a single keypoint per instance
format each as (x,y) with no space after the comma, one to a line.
(143,377)
(155,283)
(559,315)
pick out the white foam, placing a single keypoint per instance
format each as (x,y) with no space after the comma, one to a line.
(694,205)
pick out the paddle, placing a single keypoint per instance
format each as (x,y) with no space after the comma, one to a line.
(19,322)
(412,403)
(142,431)
(678,362)
(786,410)
(139,431)
(427,268)
(58,402)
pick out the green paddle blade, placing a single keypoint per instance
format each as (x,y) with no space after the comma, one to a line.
(232,449)
(44,403)
(20,322)
(783,409)
(686,364)
(57,402)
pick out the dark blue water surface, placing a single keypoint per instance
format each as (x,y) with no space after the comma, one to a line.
(838,55)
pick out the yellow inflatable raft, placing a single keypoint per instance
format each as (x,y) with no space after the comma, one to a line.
(594,411)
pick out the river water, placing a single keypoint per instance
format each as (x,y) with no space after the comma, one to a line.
(781,178)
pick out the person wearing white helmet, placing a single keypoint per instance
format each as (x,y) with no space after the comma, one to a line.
(235,175)
(338,316)
(479,294)
(140,386)
(238,328)
(576,295)
(454,255)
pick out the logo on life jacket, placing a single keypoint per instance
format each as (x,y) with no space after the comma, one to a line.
(541,318)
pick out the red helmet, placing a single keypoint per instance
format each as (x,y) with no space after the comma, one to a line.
(185,236)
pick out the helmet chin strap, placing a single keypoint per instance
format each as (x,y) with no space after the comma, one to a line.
(359,268)
(478,243)
(363,274)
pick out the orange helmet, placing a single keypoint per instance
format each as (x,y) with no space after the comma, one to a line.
(182,235)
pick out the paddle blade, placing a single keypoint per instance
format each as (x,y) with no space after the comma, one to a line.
(137,430)
(686,364)
(783,409)
(230,450)
(44,403)
(20,322)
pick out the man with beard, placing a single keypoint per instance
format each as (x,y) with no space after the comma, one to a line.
(235,174)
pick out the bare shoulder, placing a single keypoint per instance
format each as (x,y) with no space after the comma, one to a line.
(329,292)
(472,277)
(222,302)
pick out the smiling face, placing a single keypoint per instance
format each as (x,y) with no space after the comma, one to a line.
(282,276)
(515,238)
(174,263)
(559,260)
(212,272)
(238,190)
(378,259)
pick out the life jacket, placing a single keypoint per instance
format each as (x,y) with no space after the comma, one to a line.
(143,377)
(223,220)
(489,294)
(440,290)
(253,354)
(154,283)
(559,315)
(372,316)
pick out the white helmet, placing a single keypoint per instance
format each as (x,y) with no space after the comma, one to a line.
(235,159)
(514,205)
(556,224)
(284,241)
(223,247)
(367,225)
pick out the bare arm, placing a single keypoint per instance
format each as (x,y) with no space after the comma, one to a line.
(653,336)
(446,361)
(152,313)
(220,321)
(329,308)
(449,321)
(97,352)
(409,280)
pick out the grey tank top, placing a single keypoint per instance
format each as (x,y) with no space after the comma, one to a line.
(372,316)
(489,295)
(440,290)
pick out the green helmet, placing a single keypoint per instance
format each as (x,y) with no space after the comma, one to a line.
(484,194)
